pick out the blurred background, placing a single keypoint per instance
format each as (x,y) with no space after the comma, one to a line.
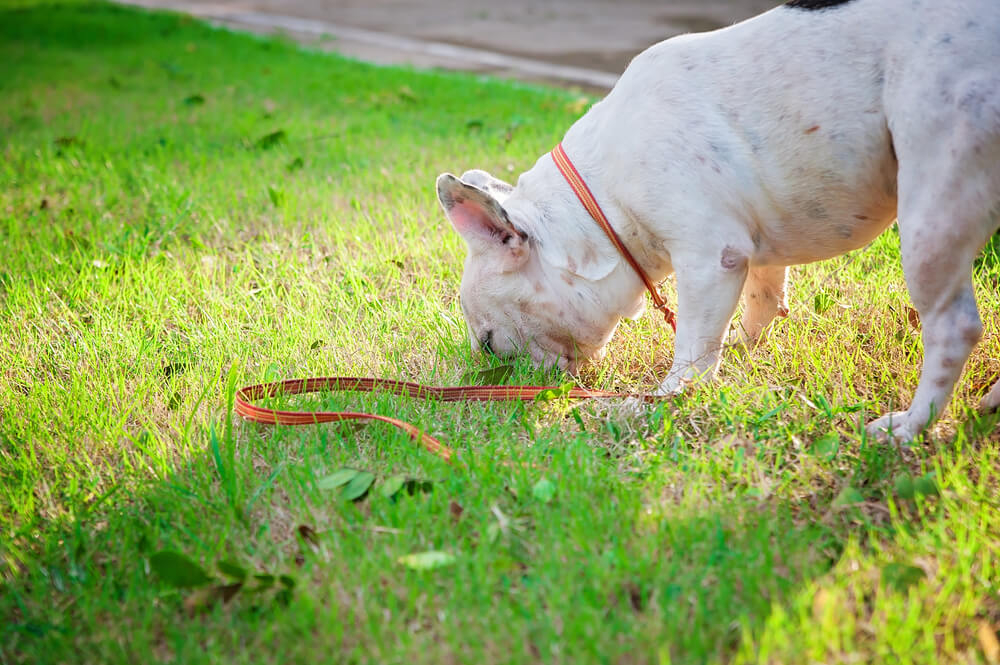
(583,42)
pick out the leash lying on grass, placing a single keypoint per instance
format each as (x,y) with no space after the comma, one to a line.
(259,414)
(248,411)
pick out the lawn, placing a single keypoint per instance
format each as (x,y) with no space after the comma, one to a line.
(184,211)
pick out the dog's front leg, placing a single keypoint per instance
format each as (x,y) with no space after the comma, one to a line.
(708,290)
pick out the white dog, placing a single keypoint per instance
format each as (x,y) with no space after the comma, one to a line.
(727,156)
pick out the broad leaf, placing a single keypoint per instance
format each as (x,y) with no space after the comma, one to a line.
(270,140)
(901,576)
(178,570)
(848,497)
(926,485)
(903,486)
(544,490)
(391,486)
(826,447)
(488,377)
(358,486)
(337,479)
(550,394)
(233,570)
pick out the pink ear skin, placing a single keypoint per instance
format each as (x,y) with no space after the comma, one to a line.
(481,220)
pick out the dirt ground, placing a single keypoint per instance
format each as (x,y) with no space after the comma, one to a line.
(599,35)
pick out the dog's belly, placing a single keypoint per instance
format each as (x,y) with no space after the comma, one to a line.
(831,201)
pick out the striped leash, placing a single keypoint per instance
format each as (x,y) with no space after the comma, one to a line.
(245,397)
(579,186)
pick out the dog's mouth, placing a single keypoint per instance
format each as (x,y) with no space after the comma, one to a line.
(568,357)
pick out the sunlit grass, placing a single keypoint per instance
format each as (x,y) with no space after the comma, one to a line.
(183,211)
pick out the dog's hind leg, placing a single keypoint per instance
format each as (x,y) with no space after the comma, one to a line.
(949,199)
(763,299)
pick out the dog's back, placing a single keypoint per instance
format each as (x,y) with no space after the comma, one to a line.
(791,114)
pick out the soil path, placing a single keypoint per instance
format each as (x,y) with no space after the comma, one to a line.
(584,42)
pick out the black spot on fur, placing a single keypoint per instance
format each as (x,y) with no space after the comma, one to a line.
(815,4)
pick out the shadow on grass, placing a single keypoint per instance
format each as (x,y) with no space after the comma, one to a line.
(618,568)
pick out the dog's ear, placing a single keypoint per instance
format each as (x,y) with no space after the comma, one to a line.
(495,187)
(482,220)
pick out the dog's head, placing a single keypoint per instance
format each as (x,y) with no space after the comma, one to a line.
(522,290)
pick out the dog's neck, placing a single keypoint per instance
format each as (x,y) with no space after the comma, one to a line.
(573,253)
(557,216)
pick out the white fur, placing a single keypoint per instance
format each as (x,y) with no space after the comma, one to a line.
(724,157)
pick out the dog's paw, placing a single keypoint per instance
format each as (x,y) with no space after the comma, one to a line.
(896,427)
(671,387)
(991,401)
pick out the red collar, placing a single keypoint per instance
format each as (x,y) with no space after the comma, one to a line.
(583,193)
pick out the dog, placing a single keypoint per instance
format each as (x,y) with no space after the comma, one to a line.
(725,157)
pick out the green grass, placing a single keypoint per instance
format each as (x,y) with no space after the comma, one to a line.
(157,251)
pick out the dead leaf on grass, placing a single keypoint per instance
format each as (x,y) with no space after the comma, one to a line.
(988,641)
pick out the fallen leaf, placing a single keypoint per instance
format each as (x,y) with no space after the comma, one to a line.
(337,479)
(413,486)
(544,490)
(233,570)
(488,377)
(200,600)
(848,497)
(821,601)
(904,486)
(550,394)
(901,576)
(308,534)
(427,560)
(391,486)
(635,596)
(358,486)
(826,447)
(264,581)
(912,317)
(407,93)
(268,141)
(178,570)
(989,643)
(926,485)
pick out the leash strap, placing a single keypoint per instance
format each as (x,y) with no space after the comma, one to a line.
(586,197)
(245,397)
